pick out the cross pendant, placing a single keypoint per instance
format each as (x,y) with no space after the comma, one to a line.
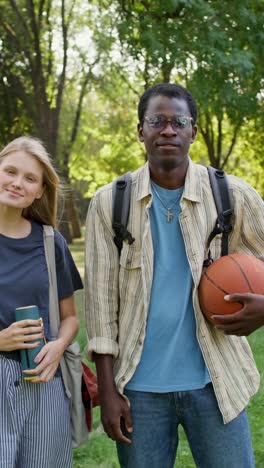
(169,216)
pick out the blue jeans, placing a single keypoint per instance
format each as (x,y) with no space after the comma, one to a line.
(156,417)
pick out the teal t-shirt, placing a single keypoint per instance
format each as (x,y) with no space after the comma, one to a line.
(171,359)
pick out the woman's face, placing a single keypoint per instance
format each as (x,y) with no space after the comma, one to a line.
(21,180)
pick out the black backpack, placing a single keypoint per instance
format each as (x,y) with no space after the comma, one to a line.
(222,198)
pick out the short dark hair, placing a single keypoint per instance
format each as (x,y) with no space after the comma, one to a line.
(170,90)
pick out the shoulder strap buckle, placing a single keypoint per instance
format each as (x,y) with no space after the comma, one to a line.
(224,207)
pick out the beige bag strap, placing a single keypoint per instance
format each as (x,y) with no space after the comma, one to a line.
(54,313)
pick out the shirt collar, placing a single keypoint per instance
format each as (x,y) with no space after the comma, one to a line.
(143,182)
(193,183)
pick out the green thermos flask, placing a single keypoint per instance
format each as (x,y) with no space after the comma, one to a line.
(28,355)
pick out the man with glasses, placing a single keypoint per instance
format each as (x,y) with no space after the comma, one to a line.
(159,362)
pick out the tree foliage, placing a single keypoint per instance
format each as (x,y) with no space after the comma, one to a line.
(211,47)
(36,48)
(72,73)
(108,145)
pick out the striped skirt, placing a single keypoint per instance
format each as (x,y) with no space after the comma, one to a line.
(35,427)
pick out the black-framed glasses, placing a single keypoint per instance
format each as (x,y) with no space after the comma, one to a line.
(159,122)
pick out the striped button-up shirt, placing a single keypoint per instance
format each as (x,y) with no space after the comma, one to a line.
(117,292)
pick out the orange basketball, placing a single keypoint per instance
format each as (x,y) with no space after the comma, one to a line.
(235,273)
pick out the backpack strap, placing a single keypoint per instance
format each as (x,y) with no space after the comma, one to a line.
(121,208)
(223,203)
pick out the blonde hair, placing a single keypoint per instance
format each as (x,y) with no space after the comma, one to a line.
(43,210)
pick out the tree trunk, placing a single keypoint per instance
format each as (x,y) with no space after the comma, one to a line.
(73,216)
(63,221)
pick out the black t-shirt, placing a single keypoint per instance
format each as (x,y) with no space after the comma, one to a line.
(24,277)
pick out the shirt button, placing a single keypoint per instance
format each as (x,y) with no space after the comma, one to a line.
(140,342)
(16,383)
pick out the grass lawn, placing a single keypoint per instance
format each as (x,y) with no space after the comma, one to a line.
(100,452)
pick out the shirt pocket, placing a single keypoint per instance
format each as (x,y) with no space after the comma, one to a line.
(130,281)
(130,257)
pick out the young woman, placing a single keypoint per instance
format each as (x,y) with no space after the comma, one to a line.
(35,427)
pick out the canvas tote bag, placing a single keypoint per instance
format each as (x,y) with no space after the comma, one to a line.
(71,366)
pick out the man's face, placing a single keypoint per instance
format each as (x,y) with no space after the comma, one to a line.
(167,143)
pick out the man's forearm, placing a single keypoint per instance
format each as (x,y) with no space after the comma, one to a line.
(105,375)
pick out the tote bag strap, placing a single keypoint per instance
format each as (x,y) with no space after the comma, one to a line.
(54,313)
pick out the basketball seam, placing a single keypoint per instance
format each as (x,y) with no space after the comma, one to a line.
(215,284)
(242,272)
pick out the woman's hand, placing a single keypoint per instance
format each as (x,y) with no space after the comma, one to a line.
(20,334)
(48,360)
(49,357)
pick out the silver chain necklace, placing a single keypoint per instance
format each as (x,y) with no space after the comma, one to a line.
(169,214)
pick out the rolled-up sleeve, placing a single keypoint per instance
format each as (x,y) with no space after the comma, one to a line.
(101,278)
